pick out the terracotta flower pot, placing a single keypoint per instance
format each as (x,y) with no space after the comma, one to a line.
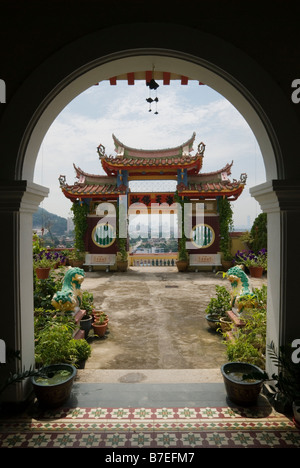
(42,273)
(99,329)
(122,265)
(256,272)
(182,265)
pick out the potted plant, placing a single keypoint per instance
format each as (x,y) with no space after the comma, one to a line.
(247,343)
(83,351)
(87,301)
(243,382)
(53,343)
(225,323)
(53,385)
(97,314)
(76,258)
(100,325)
(43,262)
(86,324)
(227,260)
(256,263)
(122,255)
(183,259)
(217,307)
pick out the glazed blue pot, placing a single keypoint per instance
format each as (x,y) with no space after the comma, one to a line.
(241,392)
(53,395)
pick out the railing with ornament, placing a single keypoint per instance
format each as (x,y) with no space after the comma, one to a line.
(151,260)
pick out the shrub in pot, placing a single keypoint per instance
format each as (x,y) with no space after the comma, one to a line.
(100,325)
(217,307)
(82,350)
(43,262)
(54,344)
(87,304)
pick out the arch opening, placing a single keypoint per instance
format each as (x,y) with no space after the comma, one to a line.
(126,66)
(255,96)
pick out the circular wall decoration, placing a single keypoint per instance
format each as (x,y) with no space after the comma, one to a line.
(103,235)
(202,236)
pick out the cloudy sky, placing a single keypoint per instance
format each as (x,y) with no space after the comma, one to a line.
(102,110)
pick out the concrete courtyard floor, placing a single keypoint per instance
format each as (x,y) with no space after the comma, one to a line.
(157,328)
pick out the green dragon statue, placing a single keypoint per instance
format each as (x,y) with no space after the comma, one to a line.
(69,297)
(242,297)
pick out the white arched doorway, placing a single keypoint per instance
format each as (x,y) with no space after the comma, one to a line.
(94,58)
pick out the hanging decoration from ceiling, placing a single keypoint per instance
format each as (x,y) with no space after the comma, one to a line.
(152,87)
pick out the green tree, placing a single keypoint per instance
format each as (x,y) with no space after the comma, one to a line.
(80,212)
(259,233)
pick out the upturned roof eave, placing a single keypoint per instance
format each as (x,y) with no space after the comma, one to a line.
(176,149)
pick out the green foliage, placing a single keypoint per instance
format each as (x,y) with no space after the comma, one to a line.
(259,233)
(248,343)
(244,352)
(87,302)
(288,376)
(220,304)
(122,249)
(54,339)
(261,295)
(226,225)
(53,344)
(19,377)
(82,350)
(44,290)
(80,212)
(122,254)
(36,244)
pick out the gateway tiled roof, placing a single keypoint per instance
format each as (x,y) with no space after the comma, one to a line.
(157,162)
(183,149)
(232,190)
(92,191)
(170,159)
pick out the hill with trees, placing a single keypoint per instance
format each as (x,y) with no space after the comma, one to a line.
(56,225)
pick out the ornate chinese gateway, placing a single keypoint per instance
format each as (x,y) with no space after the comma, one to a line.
(107,195)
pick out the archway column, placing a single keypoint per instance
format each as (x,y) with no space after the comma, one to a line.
(280,199)
(18,201)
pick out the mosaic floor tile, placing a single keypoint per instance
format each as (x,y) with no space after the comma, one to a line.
(172,428)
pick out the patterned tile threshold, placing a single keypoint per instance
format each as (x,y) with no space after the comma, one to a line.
(150,428)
